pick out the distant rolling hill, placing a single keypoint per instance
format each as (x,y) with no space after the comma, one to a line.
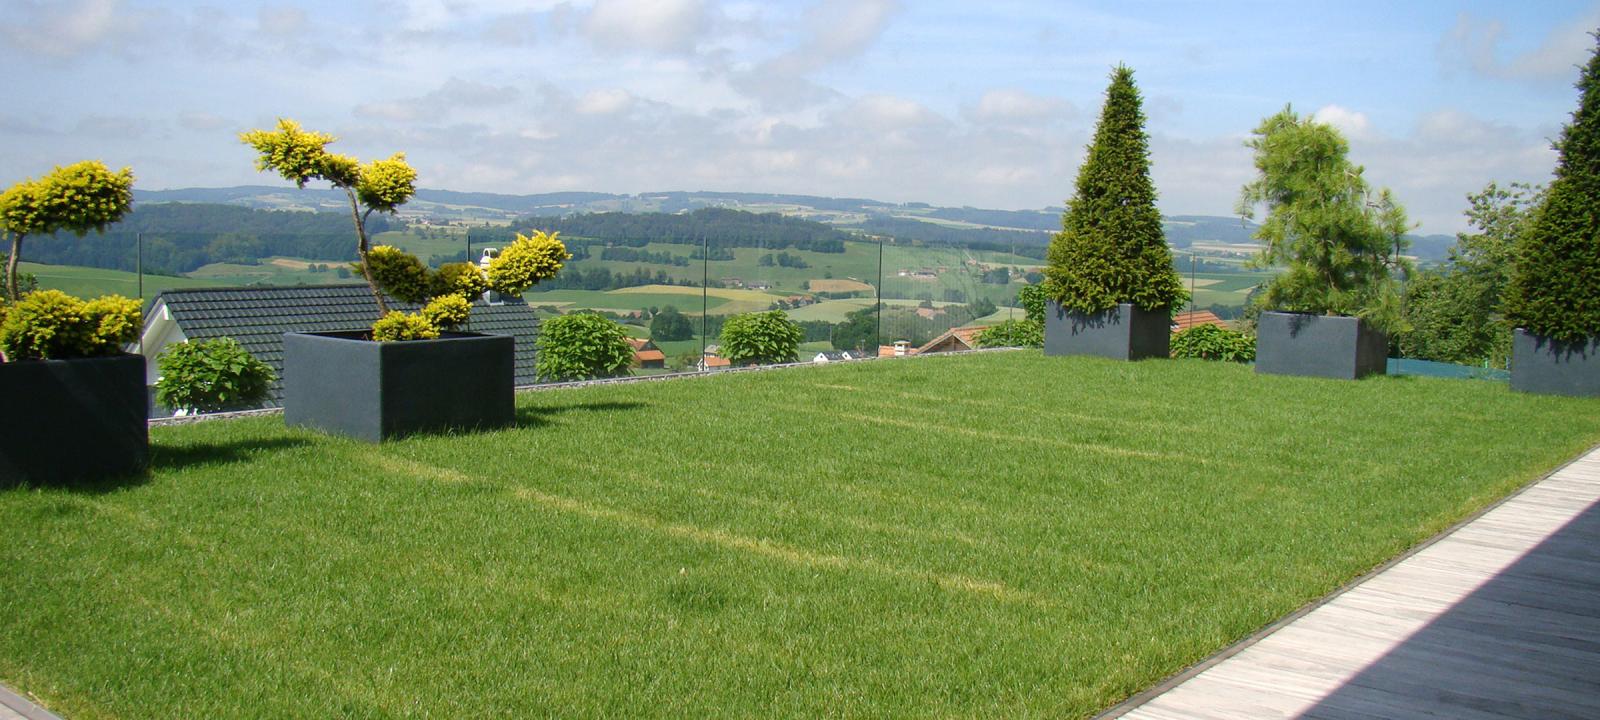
(909,221)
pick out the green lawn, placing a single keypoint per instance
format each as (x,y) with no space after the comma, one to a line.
(993,535)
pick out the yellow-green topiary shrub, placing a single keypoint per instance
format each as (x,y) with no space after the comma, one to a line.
(402,326)
(52,325)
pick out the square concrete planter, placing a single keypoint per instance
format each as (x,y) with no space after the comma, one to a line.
(1330,346)
(342,383)
(1124,332)
(1542,365)
(81,419)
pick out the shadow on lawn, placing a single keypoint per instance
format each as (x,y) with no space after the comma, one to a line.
(532,417)
(164,456)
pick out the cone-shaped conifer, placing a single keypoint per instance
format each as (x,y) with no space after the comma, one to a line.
(1555,291)
(1111,248)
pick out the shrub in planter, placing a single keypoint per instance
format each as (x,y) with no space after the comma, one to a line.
(383,186)
(762,338)
(212,376)
(582,346)
(1340,241)
(413,389)
(1111,250)
(1554,296)
(85,398)
(1209,342)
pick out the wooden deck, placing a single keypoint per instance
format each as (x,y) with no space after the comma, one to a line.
(1498,619)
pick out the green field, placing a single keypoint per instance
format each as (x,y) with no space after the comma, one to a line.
(271,271)
(93,282)
(993,535)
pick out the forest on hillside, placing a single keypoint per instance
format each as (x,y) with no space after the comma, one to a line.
(182,237)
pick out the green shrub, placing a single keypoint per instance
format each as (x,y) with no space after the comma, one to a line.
(761,338)
(1012,333)
(1209,342)
(1111,248)
(400,274)
(582,346)
(1555,291)
(52,325)
(212,376)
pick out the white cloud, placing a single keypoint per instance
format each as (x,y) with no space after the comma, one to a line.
(65,29)
(662,26)
(281,20)
(604,102)
(454,94)
(1354,125)
(1475,45)
(1011,105)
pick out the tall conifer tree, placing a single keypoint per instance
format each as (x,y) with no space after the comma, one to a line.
(1555,291)
(1111,248)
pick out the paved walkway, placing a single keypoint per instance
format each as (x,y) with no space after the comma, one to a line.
(1498,619)
(13,707)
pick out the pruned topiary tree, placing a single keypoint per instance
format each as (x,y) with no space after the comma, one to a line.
(1111,248)
(446,294)
(1555,290)
(1339,241)
(78,198)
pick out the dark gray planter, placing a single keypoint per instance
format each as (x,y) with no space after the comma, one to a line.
(73,419)
(1124,332)
(342,383)
(1330,346)
(1542,365)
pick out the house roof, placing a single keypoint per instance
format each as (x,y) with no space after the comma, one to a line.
(648,355)
(961,338)
(712,361)
(1185,320)
(257,317)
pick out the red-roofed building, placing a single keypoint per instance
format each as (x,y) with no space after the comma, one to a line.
(954,340)
(646,354)
(1185,320)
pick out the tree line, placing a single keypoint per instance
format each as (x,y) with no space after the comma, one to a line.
(182,237)
(716,227)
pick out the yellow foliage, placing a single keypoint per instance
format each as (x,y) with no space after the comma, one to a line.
(387,184)
(447,311)
(400,326)
(296,154)
(526,261)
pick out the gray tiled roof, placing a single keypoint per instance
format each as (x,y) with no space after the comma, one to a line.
(257,317)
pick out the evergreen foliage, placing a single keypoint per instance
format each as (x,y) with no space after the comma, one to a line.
(1340,241)
(1555,291)
(1027,332)
(52,325)
(212,376)
(582,346)
(761,338)
(383,186)
(1111,248)
(77,198)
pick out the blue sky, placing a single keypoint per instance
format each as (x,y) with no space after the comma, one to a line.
(956,103)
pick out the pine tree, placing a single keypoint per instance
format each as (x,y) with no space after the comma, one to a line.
(1111,248)
(1556,289)
(1340,241)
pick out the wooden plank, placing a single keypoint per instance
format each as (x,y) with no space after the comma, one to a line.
(1500,619)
